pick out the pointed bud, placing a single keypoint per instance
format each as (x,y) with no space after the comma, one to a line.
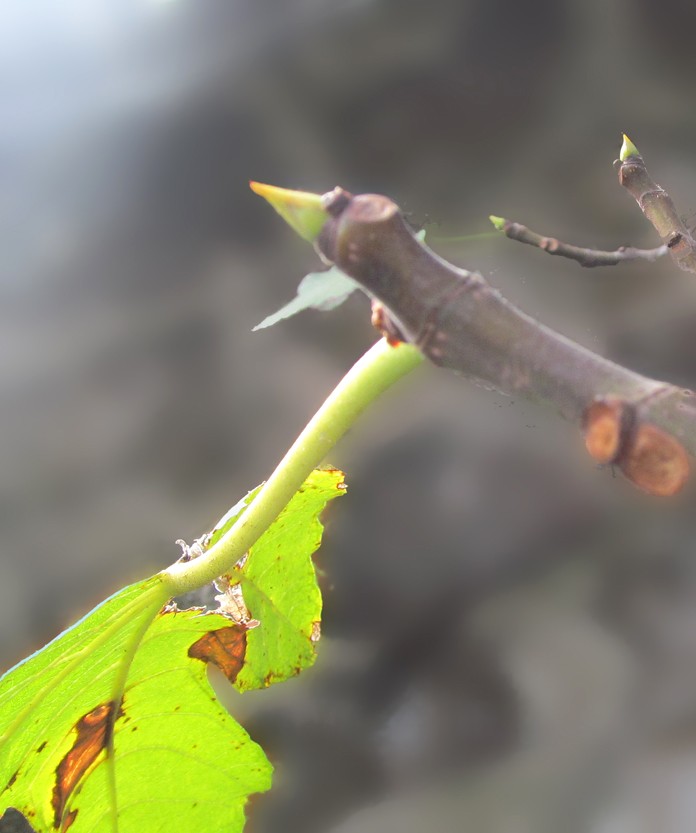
(303,211)
(628,149)
(498,222)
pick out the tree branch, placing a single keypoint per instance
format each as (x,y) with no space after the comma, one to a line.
(657,206)
(460,322)
(584,256)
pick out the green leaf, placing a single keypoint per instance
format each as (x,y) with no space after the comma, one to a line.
(114,727)
(280,587)
(278,584)
(498,222)
(44,697)
(317,290)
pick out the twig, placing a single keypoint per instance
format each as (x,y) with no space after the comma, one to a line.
(584,256)
(657,206)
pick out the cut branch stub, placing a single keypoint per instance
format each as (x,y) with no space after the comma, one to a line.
(607,423)
(649,457)
(657,206)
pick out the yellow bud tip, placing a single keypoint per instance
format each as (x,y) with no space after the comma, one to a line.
(498,222)
(301,210)
(628,149)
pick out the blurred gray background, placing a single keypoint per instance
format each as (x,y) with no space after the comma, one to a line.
(510,632)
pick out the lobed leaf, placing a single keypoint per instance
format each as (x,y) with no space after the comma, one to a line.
(80,750)
(113,726)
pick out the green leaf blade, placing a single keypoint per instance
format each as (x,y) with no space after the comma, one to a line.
(174,749)
(280,587)
(175,744)
(43,697)
(317,290)
(114,728)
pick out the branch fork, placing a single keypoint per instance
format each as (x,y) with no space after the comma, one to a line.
(458,321)
(643,426)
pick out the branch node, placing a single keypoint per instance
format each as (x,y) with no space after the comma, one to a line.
(335,201)
(657,206)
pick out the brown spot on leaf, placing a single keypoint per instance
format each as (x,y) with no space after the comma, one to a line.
(69,819)
(13,778)
(93,732)
(225,648)
(655,461)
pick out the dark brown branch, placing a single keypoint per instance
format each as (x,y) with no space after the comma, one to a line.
(657,206)
(584,256)
(460,322)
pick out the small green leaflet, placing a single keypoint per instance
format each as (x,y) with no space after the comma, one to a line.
(318,290)
(113,726)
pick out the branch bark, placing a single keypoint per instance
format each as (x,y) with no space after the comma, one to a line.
(460,322)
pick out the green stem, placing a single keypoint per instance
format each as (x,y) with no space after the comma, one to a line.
(374,373)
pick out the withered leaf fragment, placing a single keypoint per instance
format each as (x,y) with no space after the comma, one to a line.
(225,648)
